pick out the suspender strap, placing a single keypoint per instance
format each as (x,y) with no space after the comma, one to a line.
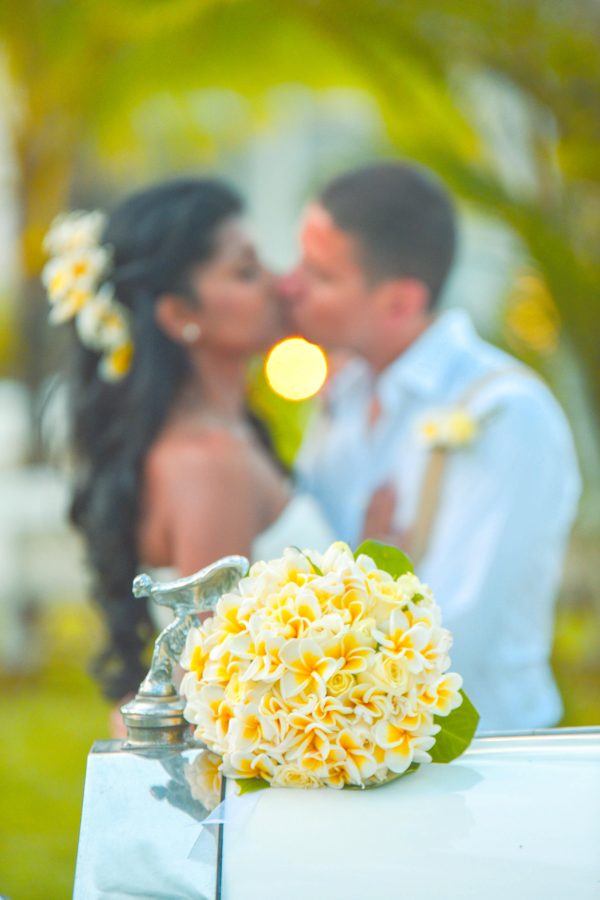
(433,478)
(431,489)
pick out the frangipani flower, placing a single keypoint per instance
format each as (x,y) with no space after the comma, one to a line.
(369,702)
(352,606)
(443,695)
(74,231)
(337,559)
(250,728)
(359,757)
(102,323)
(351,650)
(71,281)
(402,745)
(331,712)
(209,709)
(228,614)
(306,667)
(266,665)
(68,306)
(115,364)
(337,776)
(248,765)
(401,640)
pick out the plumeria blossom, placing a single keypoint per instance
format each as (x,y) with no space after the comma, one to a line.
(330,712)
(71,280)
(116,363)
(102,323)
(306,668)
(212,711)
(59,280)
(400,639)
(250,727)
(71,232)
(402,746)
(359,754)
(370,702)
(443,695)
(320,670)
(352,651)
(266,664)
(248,765)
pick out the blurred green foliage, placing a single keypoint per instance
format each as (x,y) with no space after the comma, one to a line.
(82,71)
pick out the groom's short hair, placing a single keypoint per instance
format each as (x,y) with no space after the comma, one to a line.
(403,218)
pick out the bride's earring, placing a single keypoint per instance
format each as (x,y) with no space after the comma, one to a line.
(190,332)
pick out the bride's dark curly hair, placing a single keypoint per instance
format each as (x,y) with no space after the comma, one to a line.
(157,236)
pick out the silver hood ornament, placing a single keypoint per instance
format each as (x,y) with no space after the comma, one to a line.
(155,716)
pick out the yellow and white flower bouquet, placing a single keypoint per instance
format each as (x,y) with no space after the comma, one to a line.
(326,670)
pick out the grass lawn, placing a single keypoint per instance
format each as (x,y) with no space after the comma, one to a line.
(49,723)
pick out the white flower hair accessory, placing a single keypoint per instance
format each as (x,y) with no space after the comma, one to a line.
(75,278)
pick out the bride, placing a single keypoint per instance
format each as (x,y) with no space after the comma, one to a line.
(172,469)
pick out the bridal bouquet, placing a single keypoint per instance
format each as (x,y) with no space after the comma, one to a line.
(326,670)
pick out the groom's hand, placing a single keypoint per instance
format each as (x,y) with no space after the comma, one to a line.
(379,518)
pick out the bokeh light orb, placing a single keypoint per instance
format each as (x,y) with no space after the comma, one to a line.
(296,369)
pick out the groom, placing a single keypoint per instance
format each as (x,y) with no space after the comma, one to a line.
(433,439)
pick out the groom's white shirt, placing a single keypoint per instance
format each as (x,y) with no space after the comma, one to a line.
(508,501)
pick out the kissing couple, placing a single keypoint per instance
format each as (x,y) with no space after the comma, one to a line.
(427,436)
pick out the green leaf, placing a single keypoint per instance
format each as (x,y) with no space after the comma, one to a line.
(457,732)
(250,785)
(390,559)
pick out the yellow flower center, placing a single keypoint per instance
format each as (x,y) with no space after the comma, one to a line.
(120,359)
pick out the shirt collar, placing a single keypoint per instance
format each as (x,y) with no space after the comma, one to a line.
(354,381)
(422,368)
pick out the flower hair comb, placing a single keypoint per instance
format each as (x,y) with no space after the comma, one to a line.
(76,278)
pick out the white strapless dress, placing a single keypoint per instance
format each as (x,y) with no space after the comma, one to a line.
(301,524)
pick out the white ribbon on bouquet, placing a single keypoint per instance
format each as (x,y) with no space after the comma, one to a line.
(234,810)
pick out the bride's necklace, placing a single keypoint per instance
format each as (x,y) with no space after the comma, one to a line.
(236,426)
(195,413)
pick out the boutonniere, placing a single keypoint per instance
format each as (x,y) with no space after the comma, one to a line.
(448,429)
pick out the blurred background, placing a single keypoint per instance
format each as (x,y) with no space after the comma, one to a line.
(501,99)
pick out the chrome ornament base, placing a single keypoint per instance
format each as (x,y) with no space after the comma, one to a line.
(152,720)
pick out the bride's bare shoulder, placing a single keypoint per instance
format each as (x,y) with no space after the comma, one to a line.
(181,454)
(189,481)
